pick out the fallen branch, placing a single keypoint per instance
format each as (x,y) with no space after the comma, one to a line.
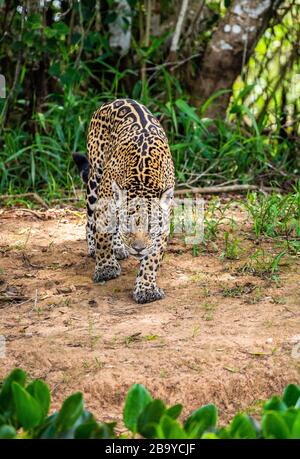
(33,212)
(10,299)
(178,192)
(224,189)
(33,196)
(71,199)
(27,262)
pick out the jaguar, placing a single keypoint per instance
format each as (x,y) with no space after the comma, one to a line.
(129,174)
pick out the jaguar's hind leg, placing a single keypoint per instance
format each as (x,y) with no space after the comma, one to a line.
(90,235)
(91,201)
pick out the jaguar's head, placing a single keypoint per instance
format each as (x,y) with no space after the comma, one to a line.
(143,222)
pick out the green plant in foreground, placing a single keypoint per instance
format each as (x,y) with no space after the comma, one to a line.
(262,264)
(232,249)
(275,215)
(24,413)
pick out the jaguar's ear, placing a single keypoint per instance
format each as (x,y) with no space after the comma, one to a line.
(166,198)
(83,166)
(117,193)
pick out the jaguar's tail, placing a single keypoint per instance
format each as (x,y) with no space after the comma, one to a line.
(83,165)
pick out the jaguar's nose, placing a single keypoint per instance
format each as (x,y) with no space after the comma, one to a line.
(138,246)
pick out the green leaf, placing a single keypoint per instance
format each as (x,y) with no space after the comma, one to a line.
(290,417)
(273,426)
(275,404)
(169,428)
(84,418)
(54,70)
(86,430)
(70,411)
(34,21)
(48,429)
(6,397)
(296,428)
(211,99)
(137,399)
(7,431)
(201,420)
(244,93)
(174,411)
(105,430)
(188,110)
(150,417)
(291,395)
(28,410)
(209,436)
(70,76)
(85,421)
(40,391)
(61,28)
(93,430)
(242,427)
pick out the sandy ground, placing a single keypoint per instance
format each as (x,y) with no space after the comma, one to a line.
(219,335)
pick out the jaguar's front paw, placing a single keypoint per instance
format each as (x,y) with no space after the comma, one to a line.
(146,295)
(106,273)
(121,253)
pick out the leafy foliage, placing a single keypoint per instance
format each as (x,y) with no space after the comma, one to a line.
(275,215)
(66,68)
(24,413)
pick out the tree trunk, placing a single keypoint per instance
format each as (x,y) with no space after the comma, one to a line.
(229,50)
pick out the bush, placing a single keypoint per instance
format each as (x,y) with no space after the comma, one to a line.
(24,413)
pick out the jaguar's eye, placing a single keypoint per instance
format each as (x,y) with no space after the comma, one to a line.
(154,229)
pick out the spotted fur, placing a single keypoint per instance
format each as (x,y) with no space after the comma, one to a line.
(130,165)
